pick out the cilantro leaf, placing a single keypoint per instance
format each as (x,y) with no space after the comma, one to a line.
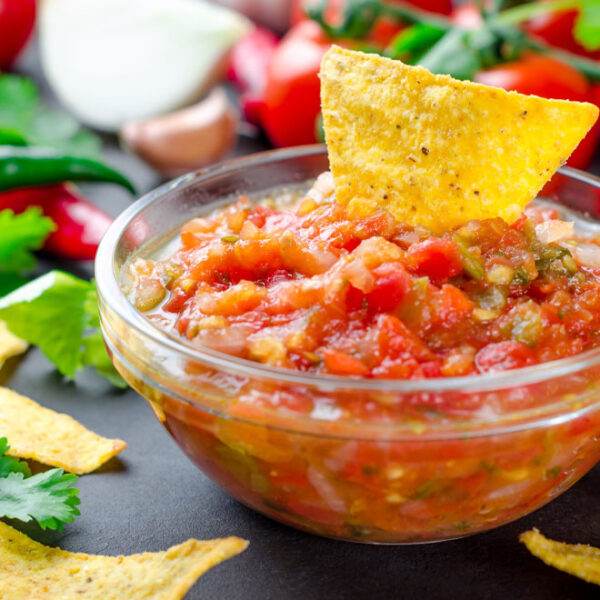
(8,464)
(587,25)
(23,113)
(58,313)
(46,497)
(19,235)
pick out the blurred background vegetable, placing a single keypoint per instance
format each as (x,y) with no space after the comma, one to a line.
(112,61)
(187,139)
(17,18)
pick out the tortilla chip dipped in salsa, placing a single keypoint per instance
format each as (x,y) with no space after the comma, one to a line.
(436,151)
(576,559)
(30,570)
(52,438)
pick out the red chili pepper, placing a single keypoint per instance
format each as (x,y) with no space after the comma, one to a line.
(17,18)
(248,69)
(80,224)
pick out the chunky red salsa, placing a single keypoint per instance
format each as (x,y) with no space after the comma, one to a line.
(307,284)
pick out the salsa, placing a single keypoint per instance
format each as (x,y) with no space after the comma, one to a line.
(301,283)
(308,284)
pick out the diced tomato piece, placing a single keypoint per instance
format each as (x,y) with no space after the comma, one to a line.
(503,356)
(176,301)
(193,231)
(454,306)
(437,258)
(395,338)
(341,363)
(354,299)
(403,367)
(391,286)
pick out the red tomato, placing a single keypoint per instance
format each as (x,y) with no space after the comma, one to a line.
(549,78)
(392,285)
(467,16)
(341,363)
(454,306)
(437,258)
(557,29)
(17,18)
(292,93)
(292,96)
(503,356)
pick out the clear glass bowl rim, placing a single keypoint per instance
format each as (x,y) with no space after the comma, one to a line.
(109,289)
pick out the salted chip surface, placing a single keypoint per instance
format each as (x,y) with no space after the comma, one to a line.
(576,559)
(10,344)
(30,570)
(52,438)
(437,151)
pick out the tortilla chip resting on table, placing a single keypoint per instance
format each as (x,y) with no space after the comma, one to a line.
(576,559)
(10,344)
(30,570)
(436,151)
(52,438)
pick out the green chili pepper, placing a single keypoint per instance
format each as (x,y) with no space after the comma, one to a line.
(471,264)
(11,137)
(25,167)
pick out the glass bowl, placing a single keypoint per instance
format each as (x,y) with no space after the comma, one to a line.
(469,453)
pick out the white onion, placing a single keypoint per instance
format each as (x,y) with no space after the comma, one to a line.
(113,61)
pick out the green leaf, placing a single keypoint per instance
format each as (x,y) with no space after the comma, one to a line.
(8,464)
(587,25)
(47,497)
(453,55)
(94,350)
(23,114)
(58,313)
(411,43)
(49,312)
(19,236)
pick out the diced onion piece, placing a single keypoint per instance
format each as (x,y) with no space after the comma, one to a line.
(230,340)
(322,188)
(358,275)
(554,230)
(586,255)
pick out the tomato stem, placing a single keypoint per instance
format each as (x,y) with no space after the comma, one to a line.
(590,68)
(524,12)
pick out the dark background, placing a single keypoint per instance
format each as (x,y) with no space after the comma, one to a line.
(152,497)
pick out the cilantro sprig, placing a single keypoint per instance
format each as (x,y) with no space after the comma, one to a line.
(29,121)
(48,498)
(20,235)
(58,313)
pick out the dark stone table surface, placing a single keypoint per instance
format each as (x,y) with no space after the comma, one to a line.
(153,497)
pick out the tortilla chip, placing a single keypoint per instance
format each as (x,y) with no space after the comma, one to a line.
(576,559)
(52,438)
(30,570)
(436,151)
(10,344)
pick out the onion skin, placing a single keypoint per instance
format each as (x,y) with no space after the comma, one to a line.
(187,139)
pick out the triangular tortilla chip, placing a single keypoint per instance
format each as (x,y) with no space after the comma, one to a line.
(30,570)
(52,438)
(10,344)
(578,559)
(436,151)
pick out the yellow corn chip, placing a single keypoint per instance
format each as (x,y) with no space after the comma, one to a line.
(576,559)
(10,345)
(436,151)
(30,570)
(51,438)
